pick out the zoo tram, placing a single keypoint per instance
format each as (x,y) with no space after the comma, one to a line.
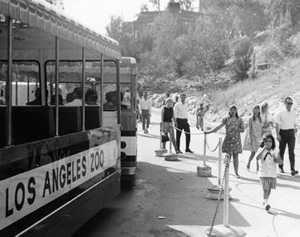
(58,164)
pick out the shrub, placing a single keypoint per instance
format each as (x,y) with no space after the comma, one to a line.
(242,59)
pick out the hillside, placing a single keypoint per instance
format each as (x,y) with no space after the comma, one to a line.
(272,85)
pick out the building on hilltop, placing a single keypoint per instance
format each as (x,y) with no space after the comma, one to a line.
(145,20)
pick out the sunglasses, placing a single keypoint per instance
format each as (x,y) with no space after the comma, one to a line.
(289,103)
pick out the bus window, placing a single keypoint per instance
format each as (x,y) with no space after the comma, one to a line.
(70,77)
(111,100)
(125,96)
(25,81)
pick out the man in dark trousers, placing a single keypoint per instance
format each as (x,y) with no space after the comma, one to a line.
(181,115)
(286,129)
(145,110)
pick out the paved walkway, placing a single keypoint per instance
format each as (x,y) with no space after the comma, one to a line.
(245,209)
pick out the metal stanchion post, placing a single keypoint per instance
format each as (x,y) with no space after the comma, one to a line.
(204,171)
(226,198)
(204,150)
(169,156)
(225,230)
(161,150)
(214,191)
(220,161)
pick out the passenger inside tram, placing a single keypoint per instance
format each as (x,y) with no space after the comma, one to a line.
(2,101)
(38,97)
(111,101)
(77,97)
(69,97)
(91,97)
(60,99)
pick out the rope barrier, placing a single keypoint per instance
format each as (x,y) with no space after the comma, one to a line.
(213,149)
(182,130)
(226,162)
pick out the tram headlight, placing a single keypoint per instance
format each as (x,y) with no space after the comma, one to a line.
(123,144)
(123,155)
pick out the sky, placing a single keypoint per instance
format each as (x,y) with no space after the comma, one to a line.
(97,13)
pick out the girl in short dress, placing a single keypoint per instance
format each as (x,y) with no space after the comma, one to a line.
(266,118)
(269,159)
(232,144)
(253,135)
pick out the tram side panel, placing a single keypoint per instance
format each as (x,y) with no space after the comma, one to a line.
(128,146)
(53,186)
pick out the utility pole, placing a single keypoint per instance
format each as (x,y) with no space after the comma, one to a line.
(158,3)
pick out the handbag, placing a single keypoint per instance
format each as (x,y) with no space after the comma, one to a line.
(164,137)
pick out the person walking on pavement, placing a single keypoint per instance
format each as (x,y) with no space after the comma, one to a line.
(167,96)
(253,135)
(201,110)
(286,130)
(167,116)
(232,144)
(181,115)
(268,166)
(145,110)
(266,118)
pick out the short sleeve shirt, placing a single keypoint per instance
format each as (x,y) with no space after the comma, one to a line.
(286,119)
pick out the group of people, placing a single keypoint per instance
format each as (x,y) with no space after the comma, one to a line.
(260,141)
(259,138)
(169,115)
(174,115)
(73,99)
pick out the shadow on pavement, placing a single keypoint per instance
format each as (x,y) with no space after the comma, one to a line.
(163,195)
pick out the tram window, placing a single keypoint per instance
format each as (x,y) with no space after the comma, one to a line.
(25,81)
(110,97)
(125,96)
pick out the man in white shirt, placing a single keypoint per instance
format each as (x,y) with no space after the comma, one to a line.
(145,110)
(181,115)
(285,130)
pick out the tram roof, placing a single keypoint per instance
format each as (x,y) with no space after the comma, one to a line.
(41,15)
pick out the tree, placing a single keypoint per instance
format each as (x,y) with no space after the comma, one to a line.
(283,11)
(209,46)
(115,28)
(242,59)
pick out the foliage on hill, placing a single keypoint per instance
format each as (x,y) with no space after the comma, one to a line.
(221,48)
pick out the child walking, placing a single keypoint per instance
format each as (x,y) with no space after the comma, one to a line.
(268,166)
(201,110)
(253,135)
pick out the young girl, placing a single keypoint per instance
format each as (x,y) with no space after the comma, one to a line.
(253,135)
(268,166)
(201,110)
(232,144)
(266,118)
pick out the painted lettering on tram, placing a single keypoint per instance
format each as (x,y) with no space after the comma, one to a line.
(27,192)
(64,175)
(19,197)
